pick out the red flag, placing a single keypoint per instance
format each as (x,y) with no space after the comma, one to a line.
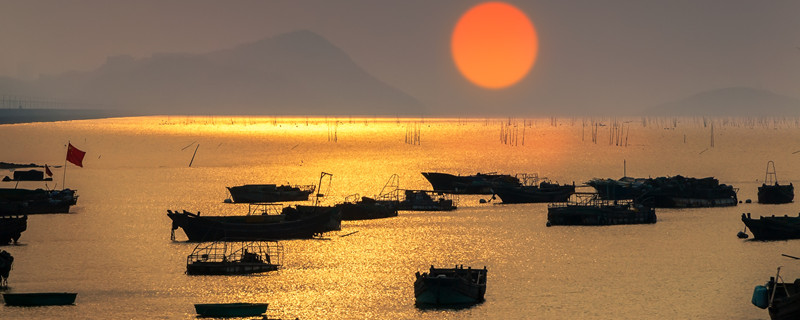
(75,156)
(47,171)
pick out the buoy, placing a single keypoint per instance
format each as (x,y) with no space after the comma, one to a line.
(482,201)
(742,235)
(748,201)
(228,200)
(548,223)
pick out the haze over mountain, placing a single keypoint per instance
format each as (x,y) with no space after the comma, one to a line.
(289,74)
(733,101)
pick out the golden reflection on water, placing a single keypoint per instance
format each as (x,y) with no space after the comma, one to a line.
(115,249)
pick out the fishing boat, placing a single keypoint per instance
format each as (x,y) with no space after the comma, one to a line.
(291,224)
(423,200)
(39,299)
(668,192)
(773,227)
(11,228)
(384,205)
(366,208)
(450,286)
(781,299)
(36,201)
(258,193)
(770,192)
(226,310)
(626,188)
(234,257)
(589,209)
(479,183)
(535,189)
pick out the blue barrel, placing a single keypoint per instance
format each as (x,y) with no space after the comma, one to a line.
(761,297)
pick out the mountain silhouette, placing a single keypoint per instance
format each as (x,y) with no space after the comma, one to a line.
(297,73)
(733,101)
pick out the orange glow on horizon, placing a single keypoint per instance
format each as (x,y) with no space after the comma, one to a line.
(494,45)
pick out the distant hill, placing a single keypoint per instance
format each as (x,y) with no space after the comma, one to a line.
(734,101)
(296,73)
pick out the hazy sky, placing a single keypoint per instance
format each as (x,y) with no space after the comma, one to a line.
(594,56)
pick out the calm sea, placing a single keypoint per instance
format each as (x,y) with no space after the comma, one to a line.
(114,248)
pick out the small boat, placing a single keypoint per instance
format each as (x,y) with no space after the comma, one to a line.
(450,286)
(473,184)
(423,200)
(27,201)
(298,224)
(11,228)
(234,257)
(781,299)
(534,190)
(589,209)
(773,228)
(770,192)
(224,310)
(366,208)
(256,193)
(40,299)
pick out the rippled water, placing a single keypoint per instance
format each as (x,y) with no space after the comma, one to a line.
(114,249)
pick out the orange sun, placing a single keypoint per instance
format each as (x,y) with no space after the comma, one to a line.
(494,45)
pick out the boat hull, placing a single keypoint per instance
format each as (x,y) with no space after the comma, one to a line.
(474,184)
(535,194)
(230,309)
(225,268)
(422,200)
(257,193)
(366,211)
(213,228)
(11,228)
(450,287)
(39,299)
(773,228)
(38,201)
(598,216)
(775,194)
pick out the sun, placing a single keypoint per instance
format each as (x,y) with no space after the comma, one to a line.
(494,45)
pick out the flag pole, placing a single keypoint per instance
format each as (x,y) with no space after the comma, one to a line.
(64,178)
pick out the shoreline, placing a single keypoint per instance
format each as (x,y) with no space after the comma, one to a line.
(15,116)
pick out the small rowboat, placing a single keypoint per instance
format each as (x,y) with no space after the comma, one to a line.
(39,299)
(230,309)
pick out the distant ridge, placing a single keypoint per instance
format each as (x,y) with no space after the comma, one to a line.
(297,73)
(733,101)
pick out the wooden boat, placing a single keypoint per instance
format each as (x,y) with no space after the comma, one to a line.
(234,257)
(589,209)
(535,189)
(773,228)
(11,228)
(293,223)
(40,299)
(224,310)
(473,184)
(256,193)
(422,200)
(770,192)
(781,299)
(450,286)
